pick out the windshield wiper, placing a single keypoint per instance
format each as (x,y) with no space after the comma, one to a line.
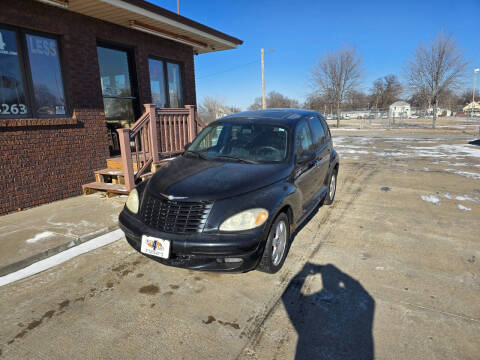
(197,154)
(233,158)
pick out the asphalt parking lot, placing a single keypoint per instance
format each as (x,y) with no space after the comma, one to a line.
(391,271)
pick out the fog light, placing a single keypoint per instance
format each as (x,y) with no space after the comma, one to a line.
(233,260)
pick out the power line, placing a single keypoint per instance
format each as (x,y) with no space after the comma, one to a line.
(230,69)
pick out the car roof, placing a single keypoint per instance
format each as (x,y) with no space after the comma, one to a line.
(280,116)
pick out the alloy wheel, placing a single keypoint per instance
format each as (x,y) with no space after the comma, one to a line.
(279,243)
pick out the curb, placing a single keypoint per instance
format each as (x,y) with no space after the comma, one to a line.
(10,268)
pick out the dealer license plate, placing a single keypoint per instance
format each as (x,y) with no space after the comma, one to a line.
(155,246)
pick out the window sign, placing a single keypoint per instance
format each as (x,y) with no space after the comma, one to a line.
(12,94)
(49,98)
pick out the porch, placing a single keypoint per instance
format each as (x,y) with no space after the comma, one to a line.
(158,135)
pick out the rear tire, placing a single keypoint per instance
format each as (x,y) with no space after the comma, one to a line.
(277,246)
(332,188)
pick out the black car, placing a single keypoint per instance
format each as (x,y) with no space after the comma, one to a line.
(232,200)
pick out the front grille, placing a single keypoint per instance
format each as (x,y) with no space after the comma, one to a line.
(175,216)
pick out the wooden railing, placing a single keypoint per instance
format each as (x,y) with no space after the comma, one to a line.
(157,132)
(176,128)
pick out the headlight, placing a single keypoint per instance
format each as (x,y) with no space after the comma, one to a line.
(245,220)
(132,201)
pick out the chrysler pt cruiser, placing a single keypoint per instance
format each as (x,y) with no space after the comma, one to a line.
(233,199)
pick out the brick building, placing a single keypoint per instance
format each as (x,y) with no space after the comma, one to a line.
(74,71)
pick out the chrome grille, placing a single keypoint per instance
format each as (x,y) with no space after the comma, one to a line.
(175,216)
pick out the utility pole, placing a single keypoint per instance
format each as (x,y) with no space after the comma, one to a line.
(474,82)
(264,99)
(178,7)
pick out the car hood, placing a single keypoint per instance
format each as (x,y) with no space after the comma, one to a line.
(194,179)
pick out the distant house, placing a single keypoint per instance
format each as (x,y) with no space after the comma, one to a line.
(399,109)
(440,111)
(473,108)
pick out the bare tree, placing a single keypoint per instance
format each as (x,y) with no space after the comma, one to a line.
(275,100)
(317,102)
(357,100)
(336,74)
(466,97)
(436,68)
(385,91)
(213,108)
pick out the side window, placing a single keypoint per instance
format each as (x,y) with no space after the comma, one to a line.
(325,127)
(317,131)
(303,139)
(211,139)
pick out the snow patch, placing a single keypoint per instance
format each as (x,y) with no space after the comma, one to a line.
(349,151)
(459,164)
(447,195)
(430,198)
(391,154)
(467,174)
(464,208)
(40,236)
(467,198)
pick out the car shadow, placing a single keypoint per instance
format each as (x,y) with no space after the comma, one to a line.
(333,323)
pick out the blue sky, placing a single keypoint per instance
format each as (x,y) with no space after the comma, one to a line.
(384,32)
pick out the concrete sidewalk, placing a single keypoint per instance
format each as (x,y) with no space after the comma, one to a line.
(37,233)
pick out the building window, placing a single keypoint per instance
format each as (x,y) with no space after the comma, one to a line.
(174,85)
(118,99)
(12,94)
(47,82)
(157,82)
(166,83)
(31,82)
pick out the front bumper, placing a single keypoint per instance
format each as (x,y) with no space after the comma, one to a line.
(238,252)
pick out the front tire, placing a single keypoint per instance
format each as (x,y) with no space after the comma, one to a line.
(332,188)
(277,245)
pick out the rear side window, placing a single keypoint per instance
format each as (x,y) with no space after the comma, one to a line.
(303,139)
(326,128)
(317,131)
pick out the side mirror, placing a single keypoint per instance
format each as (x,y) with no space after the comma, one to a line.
(187,145)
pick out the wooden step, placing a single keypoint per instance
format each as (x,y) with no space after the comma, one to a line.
(109,188)
(109,171)
(116,164)
(109,175)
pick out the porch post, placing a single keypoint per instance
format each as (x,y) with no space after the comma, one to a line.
(192,126)
(150,108)
(127,163)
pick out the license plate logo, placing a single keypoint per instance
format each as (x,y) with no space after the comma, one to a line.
(155,246)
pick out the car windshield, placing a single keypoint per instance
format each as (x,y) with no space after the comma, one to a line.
(249,143)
